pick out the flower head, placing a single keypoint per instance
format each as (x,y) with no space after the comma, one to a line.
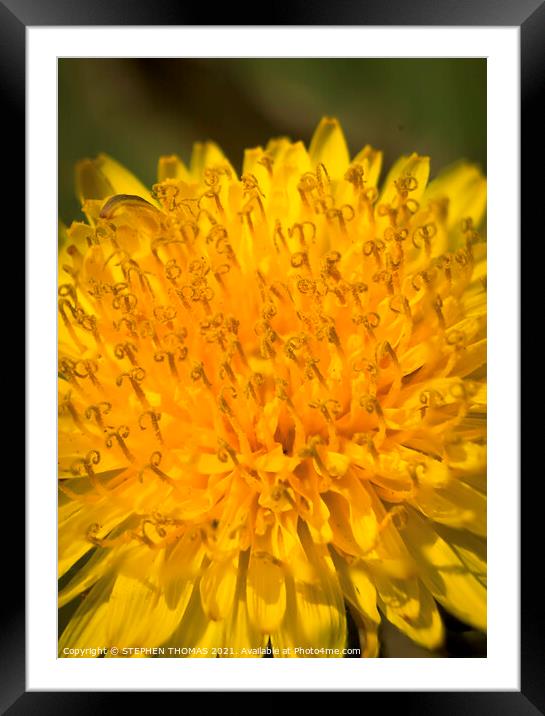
(272,401)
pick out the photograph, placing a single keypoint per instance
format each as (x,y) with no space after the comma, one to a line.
(272,357)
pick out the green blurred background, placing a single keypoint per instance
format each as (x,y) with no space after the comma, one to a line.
(138,109)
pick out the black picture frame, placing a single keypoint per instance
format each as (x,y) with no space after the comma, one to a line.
(15,17)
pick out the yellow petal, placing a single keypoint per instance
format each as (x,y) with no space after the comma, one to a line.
(207,155)
(358,587)
(455,504)
(315,617)
(87,627)
(218,589)
(241,636)
(410,607)
(172,167)
(413,166)
(464,186)
(444,573)
(73,531)
(371,161)
(101,177)
(138,613)
(470,548)
(196,632)
(328,147)
(265,592)
(100,562)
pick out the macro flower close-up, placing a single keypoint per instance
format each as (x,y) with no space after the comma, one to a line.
(272,403)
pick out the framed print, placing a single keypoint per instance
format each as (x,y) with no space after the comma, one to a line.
(260,290)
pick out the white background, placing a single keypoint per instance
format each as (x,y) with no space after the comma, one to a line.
(500,670)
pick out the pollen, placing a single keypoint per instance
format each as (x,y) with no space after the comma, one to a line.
(272,399)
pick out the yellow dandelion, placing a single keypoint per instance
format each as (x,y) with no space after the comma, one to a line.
(272,406)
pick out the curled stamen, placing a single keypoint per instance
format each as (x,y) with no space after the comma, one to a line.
(220,270)
(87,369)
(126,349)
(303,232)
(269,311)
(343,214)
(311,369)
(189,231)
(68,289)
(370,320)
(120,436)
(327,407)
(389,211)
(250,185)
(198,373)
(164,314)
(222,402)
(97,411)
(157,243)
(153,465)
(472,236)
(300,258)
(374,248)
(323,177)
(406,184)
(255,381)
(246,214)
(424,234)
(85,465)
(278,231)
(310,450)
(126,302)
(364,365)
(179,354)
(456,339)
(216,233)
(398,235)
(444,263)
(67,369)
(331,260)
(154,420)
(293,344)
(130,323)
(384,350)
(172,271)
(68,405)
(357,289)
(135,377)
(93,530)
(367,440)
(306,285)
(225,451)
(307,184)
(431,399)
(423,279)
(437,307)
(400,304)
(371,405)
(225,368)
(354,174)
(64,304)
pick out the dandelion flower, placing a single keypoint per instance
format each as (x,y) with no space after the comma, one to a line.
(272,402)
